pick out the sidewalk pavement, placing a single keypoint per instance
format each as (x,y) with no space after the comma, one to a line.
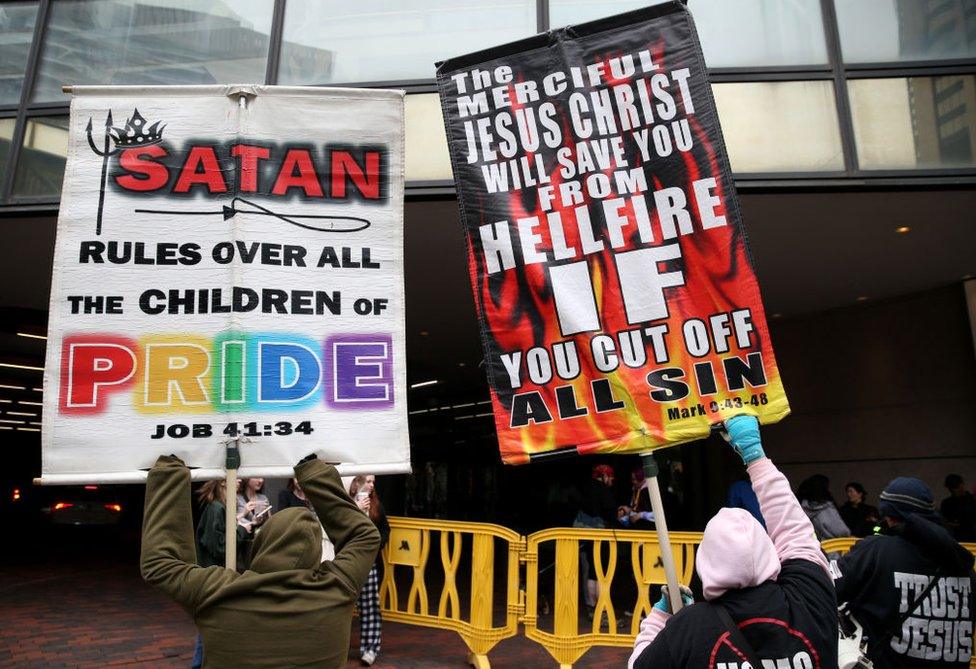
(101,614)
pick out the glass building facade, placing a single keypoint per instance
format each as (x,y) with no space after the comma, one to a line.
(851,128)
(806,90)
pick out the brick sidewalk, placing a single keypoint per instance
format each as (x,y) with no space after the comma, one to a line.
(101,614)
(89,617)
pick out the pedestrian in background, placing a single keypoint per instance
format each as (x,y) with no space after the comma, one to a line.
(253,503)
(859,516)
(211,530)
(818,503)
(292,496)
(639,513)
(211,538)
(598,509)
(741,496)
(363,491)
(959,509)
(289,609)
(911,588)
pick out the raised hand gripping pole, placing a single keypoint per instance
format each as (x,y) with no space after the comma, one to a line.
(230,502)
(660,522)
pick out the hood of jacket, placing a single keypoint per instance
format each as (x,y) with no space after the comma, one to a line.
(935,543)
(812,508)
(291,539)
(735,552)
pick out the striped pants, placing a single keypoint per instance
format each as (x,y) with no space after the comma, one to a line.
(370,621)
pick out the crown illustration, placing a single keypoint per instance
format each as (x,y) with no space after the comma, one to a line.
(137,133)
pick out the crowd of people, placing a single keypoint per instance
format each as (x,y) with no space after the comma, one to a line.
(756,556)
(770,597)
(768,594)
(854,518)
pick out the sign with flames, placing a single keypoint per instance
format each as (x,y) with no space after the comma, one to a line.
(618,303)
(229,266)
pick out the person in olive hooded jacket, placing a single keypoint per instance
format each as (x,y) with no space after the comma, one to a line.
(289,609)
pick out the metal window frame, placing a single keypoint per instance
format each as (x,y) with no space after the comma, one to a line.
(274,45)
(31,114)
(910,72)
(542,16)
(30,73)
(6,115)
(836,70)
(841,100)
(907,65)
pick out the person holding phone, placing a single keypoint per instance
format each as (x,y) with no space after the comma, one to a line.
(363,491)
(253,506)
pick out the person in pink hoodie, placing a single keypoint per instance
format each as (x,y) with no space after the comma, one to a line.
(773,584)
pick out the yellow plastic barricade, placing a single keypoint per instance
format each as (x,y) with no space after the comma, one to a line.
(841,545)
(626,563)
(627,558)
(406,559)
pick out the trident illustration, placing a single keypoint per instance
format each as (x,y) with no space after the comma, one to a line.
(105,152)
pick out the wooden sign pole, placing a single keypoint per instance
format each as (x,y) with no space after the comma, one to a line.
(660,522)
(230,503)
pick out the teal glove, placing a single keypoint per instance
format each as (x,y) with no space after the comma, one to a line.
(743,433)
(664,604)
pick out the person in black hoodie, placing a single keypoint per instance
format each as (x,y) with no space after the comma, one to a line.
(883,578)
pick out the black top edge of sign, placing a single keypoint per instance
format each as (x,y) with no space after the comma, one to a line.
(554,36)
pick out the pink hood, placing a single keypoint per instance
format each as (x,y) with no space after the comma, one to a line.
(735,552)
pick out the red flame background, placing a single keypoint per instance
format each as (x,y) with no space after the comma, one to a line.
(516,306)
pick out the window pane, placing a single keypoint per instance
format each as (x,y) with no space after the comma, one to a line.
(776,126)
(40,167)
(760,33)
(921,122)
(734,33)
(383,40)
(16,33)
(152,42)
(901,30)
(6,134)
(427,158)
(567,12)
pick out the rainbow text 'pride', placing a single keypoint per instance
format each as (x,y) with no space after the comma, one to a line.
(233,371)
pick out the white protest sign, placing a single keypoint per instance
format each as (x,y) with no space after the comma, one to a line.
(229,262)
